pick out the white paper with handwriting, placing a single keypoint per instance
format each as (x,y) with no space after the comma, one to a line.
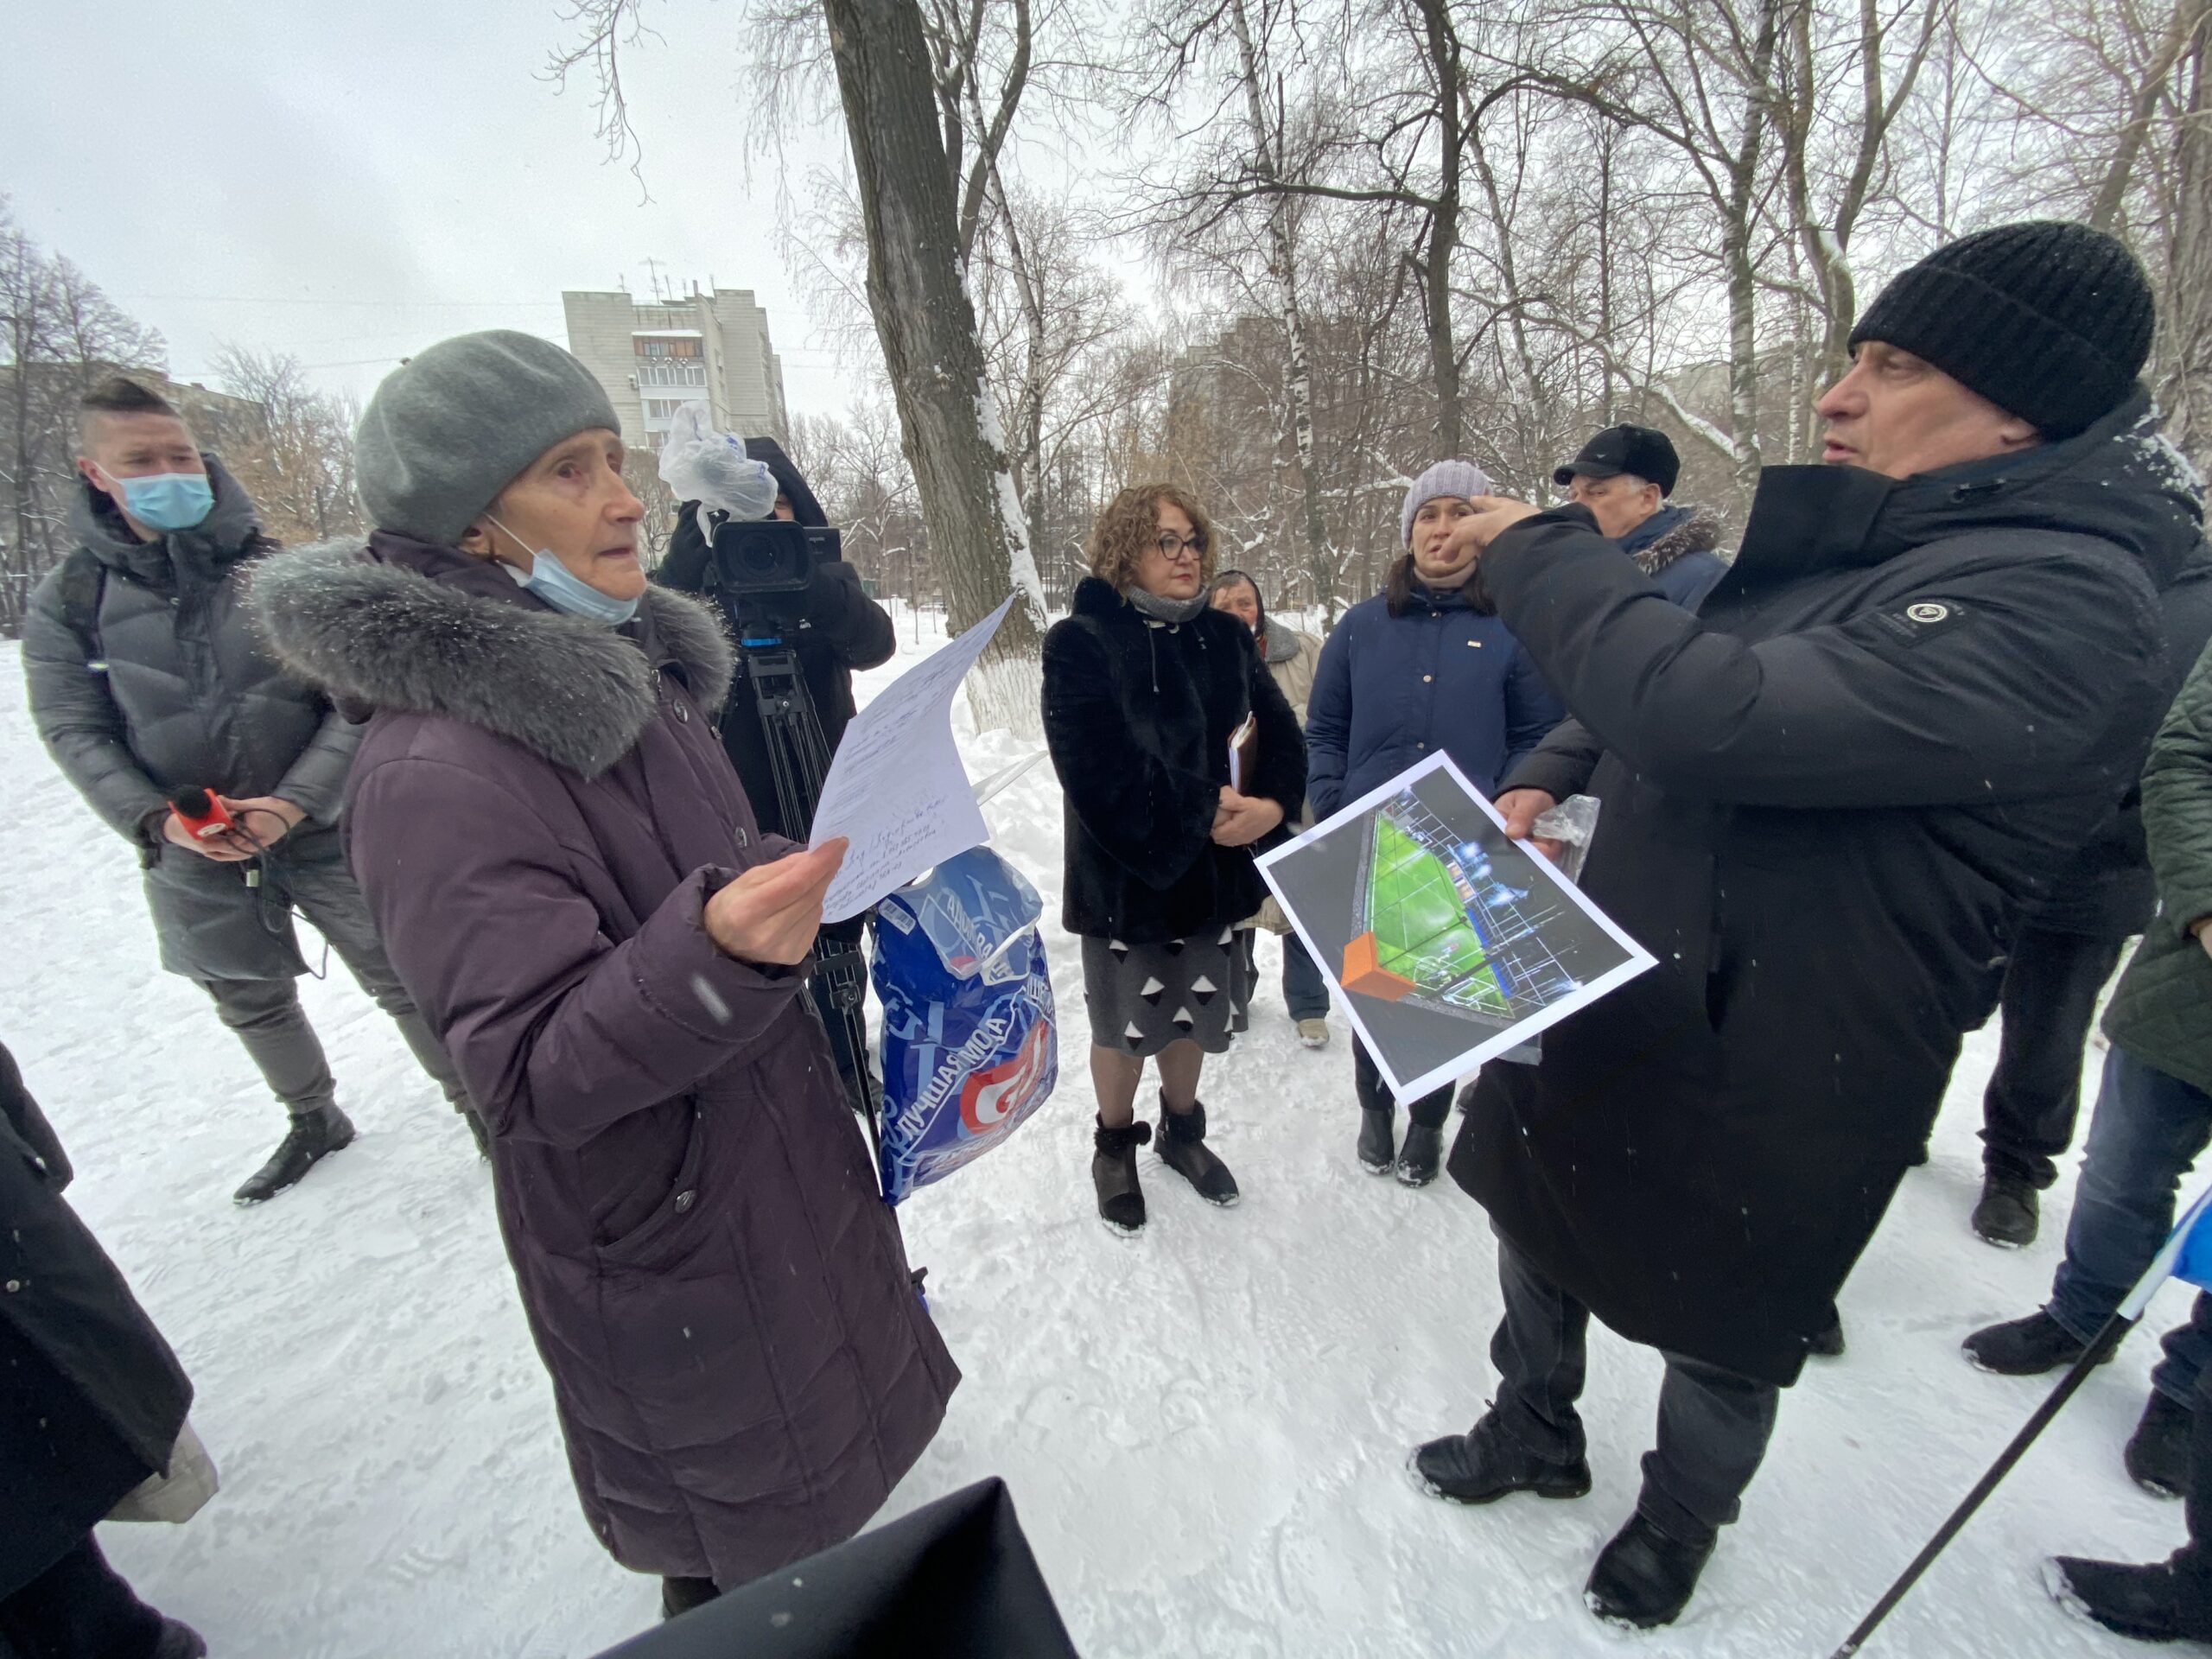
(896,789)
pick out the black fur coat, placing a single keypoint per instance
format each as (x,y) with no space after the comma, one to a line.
(1139,715)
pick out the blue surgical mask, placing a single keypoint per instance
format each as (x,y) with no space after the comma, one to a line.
(167,500)
(564,590)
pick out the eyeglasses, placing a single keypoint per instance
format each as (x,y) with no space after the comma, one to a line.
(1173,547)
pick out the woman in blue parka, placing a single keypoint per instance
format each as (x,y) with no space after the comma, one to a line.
(1424,666)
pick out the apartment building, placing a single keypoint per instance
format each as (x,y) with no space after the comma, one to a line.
(654,355)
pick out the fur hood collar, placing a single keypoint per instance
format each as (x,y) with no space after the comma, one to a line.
(1673,533)
(417,629)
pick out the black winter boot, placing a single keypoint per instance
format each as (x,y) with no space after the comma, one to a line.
(1643,1579)
(179,1641)
(680,1596)
(1378,1129)
(1828,1345)
(1114,1172)
(2007,1215)
(1486,1463)
(1420,1154)
(2157,1451)
(2025,1347)
(311,1139)
(2158,1602)
(1182,1148)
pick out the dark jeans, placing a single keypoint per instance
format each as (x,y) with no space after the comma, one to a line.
(1713,1424)
(78,1608)
(2035,1094)
(1429,1111)
(266,1013)
(2145,1134)
(1305,992)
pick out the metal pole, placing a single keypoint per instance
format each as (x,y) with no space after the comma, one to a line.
(2115,1327)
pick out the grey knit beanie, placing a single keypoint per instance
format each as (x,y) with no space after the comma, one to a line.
(449,430)
(1461,478)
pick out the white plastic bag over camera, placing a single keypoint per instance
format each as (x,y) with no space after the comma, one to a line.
(700,464)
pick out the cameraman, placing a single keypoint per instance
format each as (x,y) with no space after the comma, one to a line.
(840,629)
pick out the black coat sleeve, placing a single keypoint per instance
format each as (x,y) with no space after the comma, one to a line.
(1154,819)
(683,567)
(1560,766)
(2022,686)
(840,613)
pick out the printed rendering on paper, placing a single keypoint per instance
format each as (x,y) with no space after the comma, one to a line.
(1453,943)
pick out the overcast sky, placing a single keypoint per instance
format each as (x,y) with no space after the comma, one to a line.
(350,183)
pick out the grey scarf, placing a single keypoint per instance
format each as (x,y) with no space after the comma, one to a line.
(1170,611)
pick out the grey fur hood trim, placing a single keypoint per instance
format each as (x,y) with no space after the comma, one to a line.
(1284,643)
(1699,533)
(381,635)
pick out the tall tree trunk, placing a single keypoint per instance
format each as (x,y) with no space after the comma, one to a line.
(1282,255)
(1443,47)
(926,324)
(2187,385)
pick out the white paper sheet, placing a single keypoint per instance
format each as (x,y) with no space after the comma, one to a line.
(896,789)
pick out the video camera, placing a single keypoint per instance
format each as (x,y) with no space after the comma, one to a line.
(761,568)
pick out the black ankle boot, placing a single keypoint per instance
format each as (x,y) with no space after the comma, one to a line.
(312,1137)
(1643,1579)
(1486,1463)
(1182,1148)
(1419,1158)
(1378,1146)
(2159,1601)
(2157,1451)
(680,1596)
(1114,1172)
(2008,1214)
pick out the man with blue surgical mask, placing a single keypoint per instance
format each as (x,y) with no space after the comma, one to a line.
(149,687)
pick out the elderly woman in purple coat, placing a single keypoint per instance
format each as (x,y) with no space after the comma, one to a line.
(571,884)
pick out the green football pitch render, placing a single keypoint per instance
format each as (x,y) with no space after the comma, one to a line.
(1421,932)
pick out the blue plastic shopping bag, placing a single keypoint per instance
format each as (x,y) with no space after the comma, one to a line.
(969,1047)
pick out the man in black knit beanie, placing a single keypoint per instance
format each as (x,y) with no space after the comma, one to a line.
(1928,679)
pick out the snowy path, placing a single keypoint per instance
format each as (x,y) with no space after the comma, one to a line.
(1204,1429)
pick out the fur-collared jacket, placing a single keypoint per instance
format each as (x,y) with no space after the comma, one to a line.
(1138,714)
(1679,547)
(538,816)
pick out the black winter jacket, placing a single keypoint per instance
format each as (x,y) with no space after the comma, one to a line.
(841,629)
(1138,715)
(91,1398)
(170,688)
(1825,796)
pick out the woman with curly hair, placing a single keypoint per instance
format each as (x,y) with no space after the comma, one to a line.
(1147,690)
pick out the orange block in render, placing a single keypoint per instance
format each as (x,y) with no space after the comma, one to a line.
(1364,973)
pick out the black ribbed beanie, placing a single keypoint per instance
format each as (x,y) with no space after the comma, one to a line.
(2049,319)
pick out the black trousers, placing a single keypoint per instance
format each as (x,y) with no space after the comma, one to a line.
(1429,1111)
(1713,1424)
(2049,997)
(78,1608)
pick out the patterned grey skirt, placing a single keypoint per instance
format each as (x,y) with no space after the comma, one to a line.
(1142,997)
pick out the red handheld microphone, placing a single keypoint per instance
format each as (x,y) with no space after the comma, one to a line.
(203,814)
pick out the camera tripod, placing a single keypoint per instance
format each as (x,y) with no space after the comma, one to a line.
(799,760)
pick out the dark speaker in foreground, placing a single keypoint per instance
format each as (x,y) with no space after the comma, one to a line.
(955,1578)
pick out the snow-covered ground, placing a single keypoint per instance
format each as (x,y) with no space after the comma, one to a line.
(1204,1429)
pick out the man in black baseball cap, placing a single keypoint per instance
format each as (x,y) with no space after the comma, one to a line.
(1624,475)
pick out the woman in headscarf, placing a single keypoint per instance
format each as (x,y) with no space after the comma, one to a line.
(1292,657)
(571,883)
(1423,666)
(1147,689)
